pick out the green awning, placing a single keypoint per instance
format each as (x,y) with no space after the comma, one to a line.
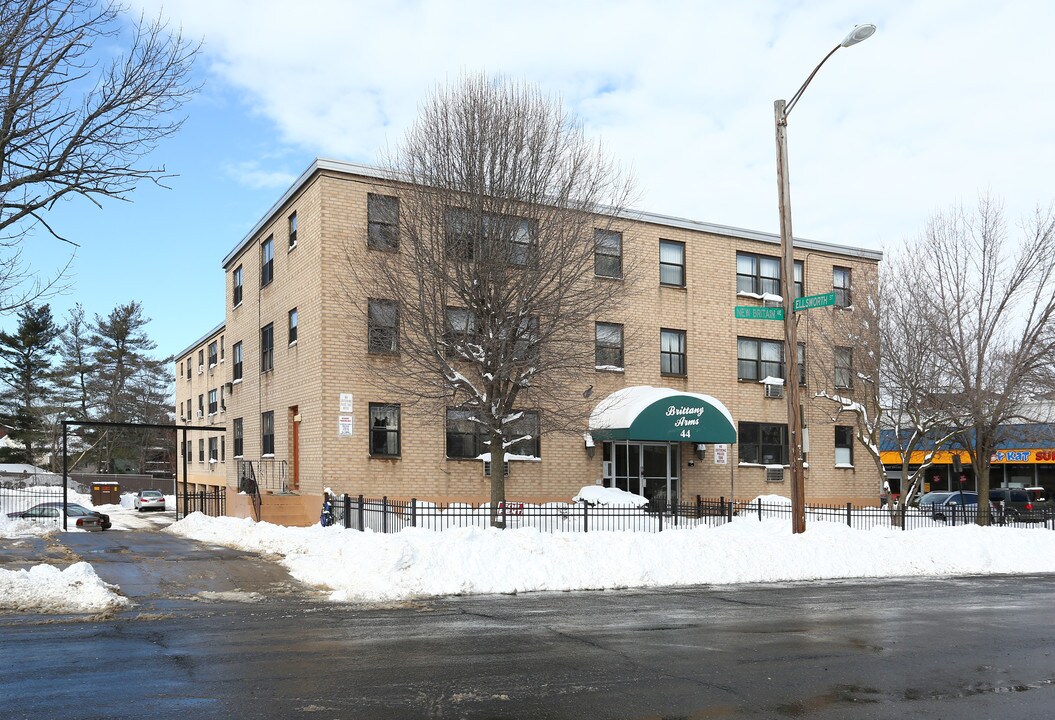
(644,413)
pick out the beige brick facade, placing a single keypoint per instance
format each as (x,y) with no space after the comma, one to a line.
(304,387)
(201,369)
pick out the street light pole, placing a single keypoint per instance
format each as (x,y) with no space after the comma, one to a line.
(781,110)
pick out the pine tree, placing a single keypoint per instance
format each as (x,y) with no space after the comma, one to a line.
(26,369)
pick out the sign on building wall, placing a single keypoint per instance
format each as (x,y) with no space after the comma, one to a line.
(345,425)
(721,454)
(346,403)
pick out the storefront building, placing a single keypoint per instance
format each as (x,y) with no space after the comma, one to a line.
(304,409)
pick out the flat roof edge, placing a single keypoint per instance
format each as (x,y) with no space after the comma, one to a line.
(320,164)
(190,348)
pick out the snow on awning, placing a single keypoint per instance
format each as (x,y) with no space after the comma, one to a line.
(647,413)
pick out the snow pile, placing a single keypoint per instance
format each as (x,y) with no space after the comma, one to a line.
(46,589)
(369,567)
(598,495)
(12,527)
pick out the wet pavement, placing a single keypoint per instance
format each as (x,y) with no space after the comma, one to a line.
(216,633)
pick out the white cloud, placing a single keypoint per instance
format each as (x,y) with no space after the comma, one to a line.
(946,100)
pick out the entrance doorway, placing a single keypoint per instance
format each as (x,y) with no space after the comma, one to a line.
(647,469)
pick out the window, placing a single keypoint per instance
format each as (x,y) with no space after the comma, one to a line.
(223,448)
(201,405)
(267,347)
(461,327)
(237,375)
(844,358)
(214,449)
(223,399)
(526,343)
(672,352)
(758,359)
(213,353)
(201,450)
(213,404)
(760,274)
(382,222)
(608,253)
(671,263)
(201,360)
(608,346)
(463,437)
(802,363)
(179,373)
(293,231)
(237,281)
(384,430)
(527,427)
(470,236)
(841,284)
(190,451)
(221,348)
(188,367)
(293,326)
(844,445)
(237,434)
(267,261)
(763,443)
(382,327)
(267,433)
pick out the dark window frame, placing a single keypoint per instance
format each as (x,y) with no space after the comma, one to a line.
(605,349)
(382,336)
(237,280)
(382,222)
(847,443)
(292,327)
(843,361)
(238,359)
(267,348)
(292,228)
(214,401)
(468,434)
(214,353)
(267,261)
(385,440)
(267,433)
(669,358)
(606,263)
(842,285)
(760,367)
(666,264)
(756,443)
(214,448)
(238,431)
(755,283)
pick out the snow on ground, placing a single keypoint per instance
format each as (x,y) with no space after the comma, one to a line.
(46,589)
(368,567)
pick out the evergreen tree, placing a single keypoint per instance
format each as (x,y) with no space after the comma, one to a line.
(26,370)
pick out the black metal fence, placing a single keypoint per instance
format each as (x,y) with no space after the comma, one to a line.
(385,515)
(212,503)
(17,495)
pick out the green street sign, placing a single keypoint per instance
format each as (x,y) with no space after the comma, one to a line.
(814,301)
(751,312)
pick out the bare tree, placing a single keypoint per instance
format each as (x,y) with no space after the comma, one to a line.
(889,389)
(989,307)
(481,276)
(72,123)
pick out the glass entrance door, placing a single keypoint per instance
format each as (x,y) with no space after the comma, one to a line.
(659,473)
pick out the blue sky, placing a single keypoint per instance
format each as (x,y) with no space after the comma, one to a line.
(949,99)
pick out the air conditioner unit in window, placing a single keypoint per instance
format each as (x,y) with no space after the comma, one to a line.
(487,468)
(606,469)
(774,474)
(201,369)
(200,414)
(774,391)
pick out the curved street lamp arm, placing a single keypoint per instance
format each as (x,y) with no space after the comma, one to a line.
(798,93)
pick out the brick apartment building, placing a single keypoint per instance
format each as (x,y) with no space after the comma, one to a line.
(287,374)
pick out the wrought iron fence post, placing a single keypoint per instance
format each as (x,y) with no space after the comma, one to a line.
(384,514)
(503,506)
(662,512)
(362,515)
(759,509)
(699,507)
(346,505)
(848,516)
(585,517)
(674,512)
(413,512)
(729,512)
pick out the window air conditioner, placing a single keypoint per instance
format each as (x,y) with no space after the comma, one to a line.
(774,474)
(200,414)
(606,469)
(201,369)
(774,391)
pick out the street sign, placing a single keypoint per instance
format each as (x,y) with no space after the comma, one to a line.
(751,312)
(814,301)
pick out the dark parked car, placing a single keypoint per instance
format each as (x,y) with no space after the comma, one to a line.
(1021,504)
(77,516)
(943,505)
